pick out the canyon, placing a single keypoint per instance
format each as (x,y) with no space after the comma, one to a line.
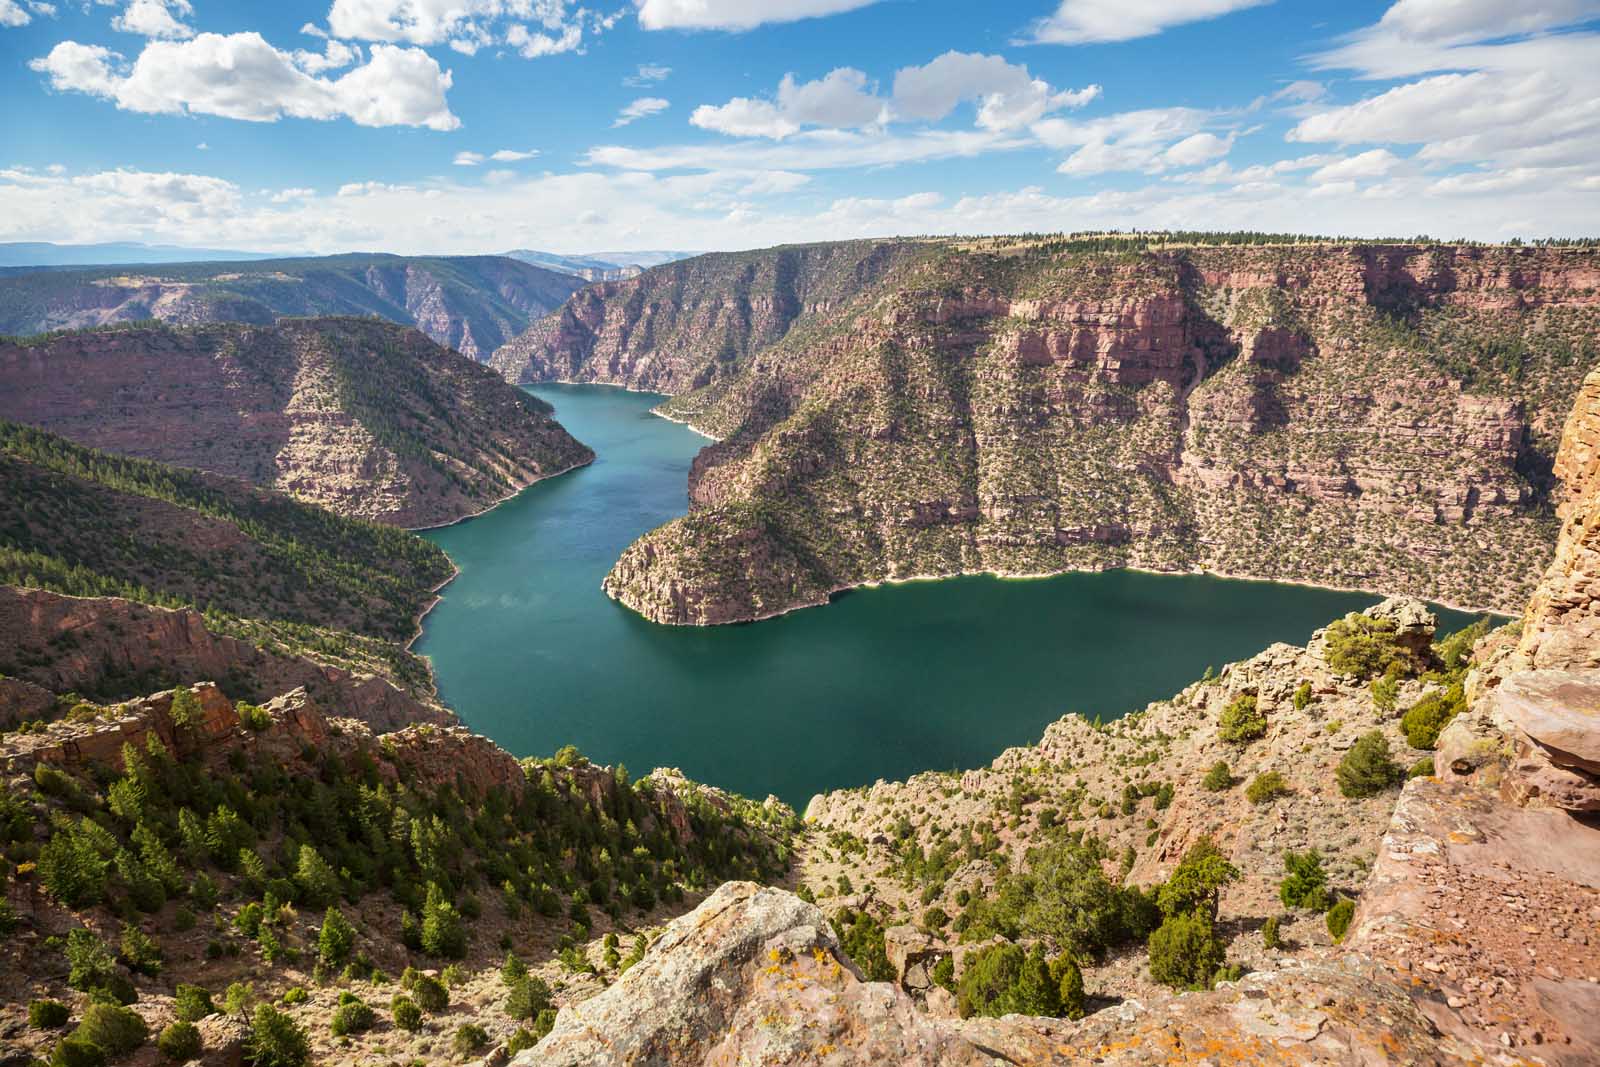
(363,417)
(1349,415)
(473,304)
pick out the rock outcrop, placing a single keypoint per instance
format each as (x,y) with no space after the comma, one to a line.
(755,975)
(368,419)
(473,304)
(1368,416)
(107,645)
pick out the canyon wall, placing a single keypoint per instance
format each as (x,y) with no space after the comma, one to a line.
(1380,417)
(368,419)
(473,304)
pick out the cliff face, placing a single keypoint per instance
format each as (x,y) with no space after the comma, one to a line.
(1351,415)
(362,417)
(685,325)
(473,304)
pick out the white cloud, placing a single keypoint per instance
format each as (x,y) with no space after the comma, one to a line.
(1008,97)
(13,14)
(1374,164)
(1134,140)
(155,18)
(735,14)
(647,74)
(1096,21)
(641,108)
(533,27)
(335,55)
(1482,19)
(467,159)
(743,117)
(513,155)
(241,76)
(285,196)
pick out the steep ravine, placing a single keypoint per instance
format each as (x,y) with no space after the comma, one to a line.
(1381,417)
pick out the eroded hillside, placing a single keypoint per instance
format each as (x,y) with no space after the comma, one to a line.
(473,304)
(363,417)
(1372,416)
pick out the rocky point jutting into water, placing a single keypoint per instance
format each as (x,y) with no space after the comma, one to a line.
(1374,416)
(363,417)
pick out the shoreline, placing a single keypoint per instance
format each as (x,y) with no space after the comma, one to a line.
(630,389)
(1039,575)
(455,570)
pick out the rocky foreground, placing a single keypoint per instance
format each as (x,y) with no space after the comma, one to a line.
(1371,416)
(365,418)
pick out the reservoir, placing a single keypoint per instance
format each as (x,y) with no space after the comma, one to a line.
(882,683)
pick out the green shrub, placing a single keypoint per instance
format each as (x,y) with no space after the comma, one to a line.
(317,883)
(1362,647)
(75,1053)
(1241,722)
(1427,718)
(862,938)
(1196,883)
(442,932)
(90,965)
(935,918)
(1267,787)
(430,994)
(335,940)
(1456,650)
(139,951)
(1002,979)
(71,866)
(115,1029)
(944,973)
(254,718)
(276,1040)
(193,1003)
(1068,977)
(1271,939)
(295,995)
(528,997)
(1218,778)
(352,1016)
(545,1023)
(1339,917)
(1306,884)
(237,997)
(1423,768)
(1185,951)
(179,1042)
(1303,697)
(1385,692)
(514,970)
(48,1014)
(470,1037)
(407,1016)
(1367,769)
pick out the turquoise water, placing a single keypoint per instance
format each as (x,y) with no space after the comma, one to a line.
(880,684)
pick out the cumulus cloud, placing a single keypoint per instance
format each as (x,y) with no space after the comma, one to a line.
(241,76)
(1448,20)
(20,12)
(1373,164)
(513,155)
(735,14)
(1007,96)
(641,108)
(468,159)
(155,18)
(335,55)
(1097,21)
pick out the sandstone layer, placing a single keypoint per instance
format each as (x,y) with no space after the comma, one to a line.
(1371,416)
(365,418)
(473,304)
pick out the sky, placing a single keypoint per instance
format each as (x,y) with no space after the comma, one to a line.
(478,126)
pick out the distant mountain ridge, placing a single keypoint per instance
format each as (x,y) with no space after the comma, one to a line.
(473,304)
(50,254)
(600,266)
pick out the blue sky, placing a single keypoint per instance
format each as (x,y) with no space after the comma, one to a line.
(481,125)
